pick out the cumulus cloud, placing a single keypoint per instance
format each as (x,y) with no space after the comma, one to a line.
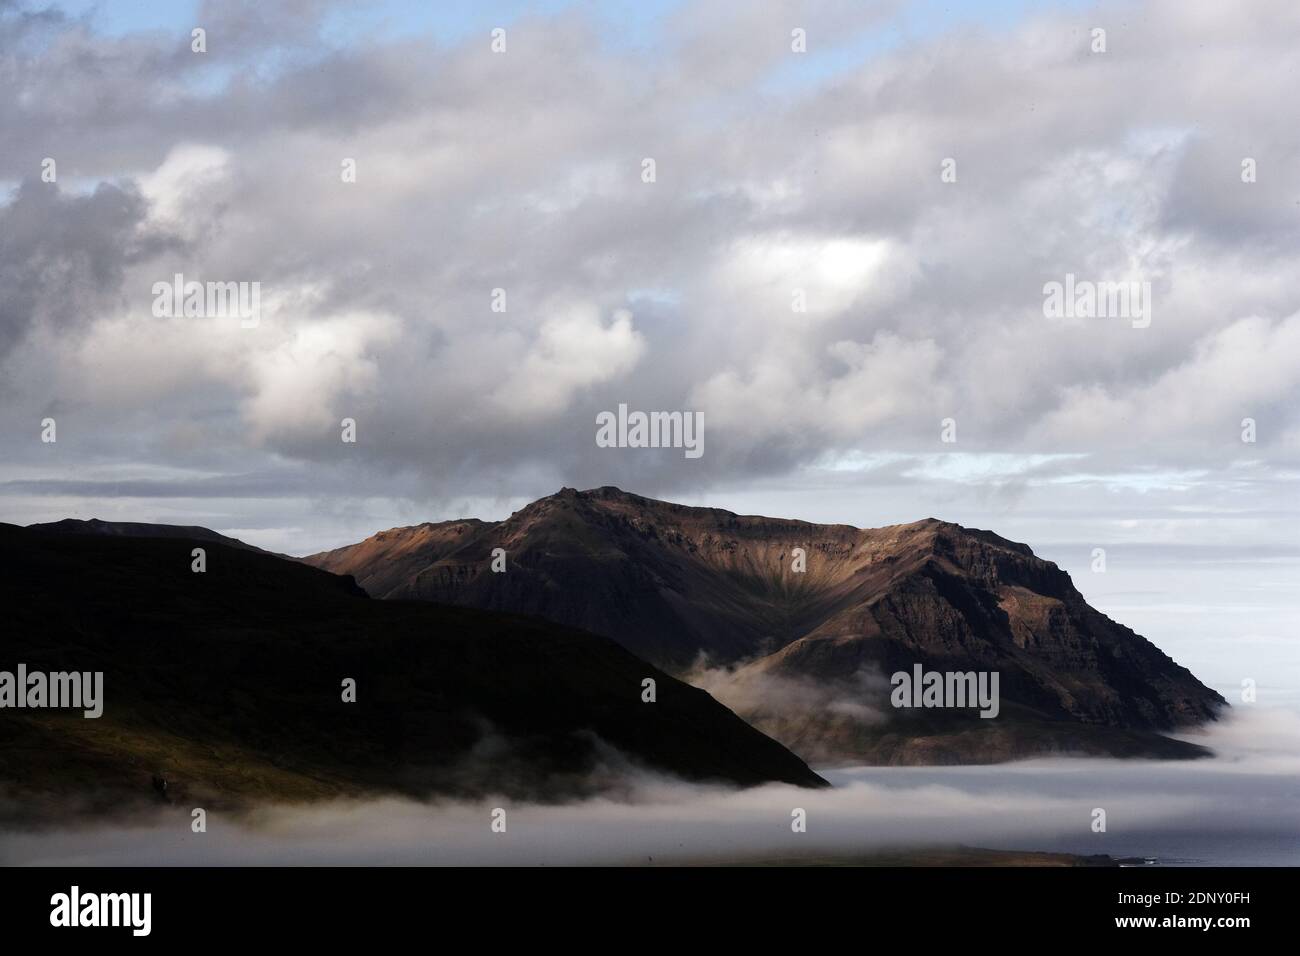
(1248,366)
(63,258)
(776,173)
(298,386)
(572,351)
(184,191)
(836,396)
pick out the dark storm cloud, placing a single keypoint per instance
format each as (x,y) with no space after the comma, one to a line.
(62,258)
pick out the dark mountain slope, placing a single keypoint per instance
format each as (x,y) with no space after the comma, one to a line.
(229,683)
(137,529)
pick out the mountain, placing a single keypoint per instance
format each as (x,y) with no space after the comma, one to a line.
(664,580)
(228,684)
(136,529)
(807,656)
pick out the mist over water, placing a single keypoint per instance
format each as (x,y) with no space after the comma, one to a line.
(1242,807)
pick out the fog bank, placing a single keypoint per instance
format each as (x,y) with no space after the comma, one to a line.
(1241,807)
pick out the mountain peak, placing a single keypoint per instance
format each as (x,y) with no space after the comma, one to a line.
(786,603)
(602,493)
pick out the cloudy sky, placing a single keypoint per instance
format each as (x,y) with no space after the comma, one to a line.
(776,173)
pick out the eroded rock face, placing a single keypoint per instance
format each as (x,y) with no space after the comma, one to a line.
(806,656)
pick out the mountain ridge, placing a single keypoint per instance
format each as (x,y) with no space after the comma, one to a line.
(719,597)
(139,529)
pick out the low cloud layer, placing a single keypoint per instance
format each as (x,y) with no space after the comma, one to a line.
(801,712)
(1238,808)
